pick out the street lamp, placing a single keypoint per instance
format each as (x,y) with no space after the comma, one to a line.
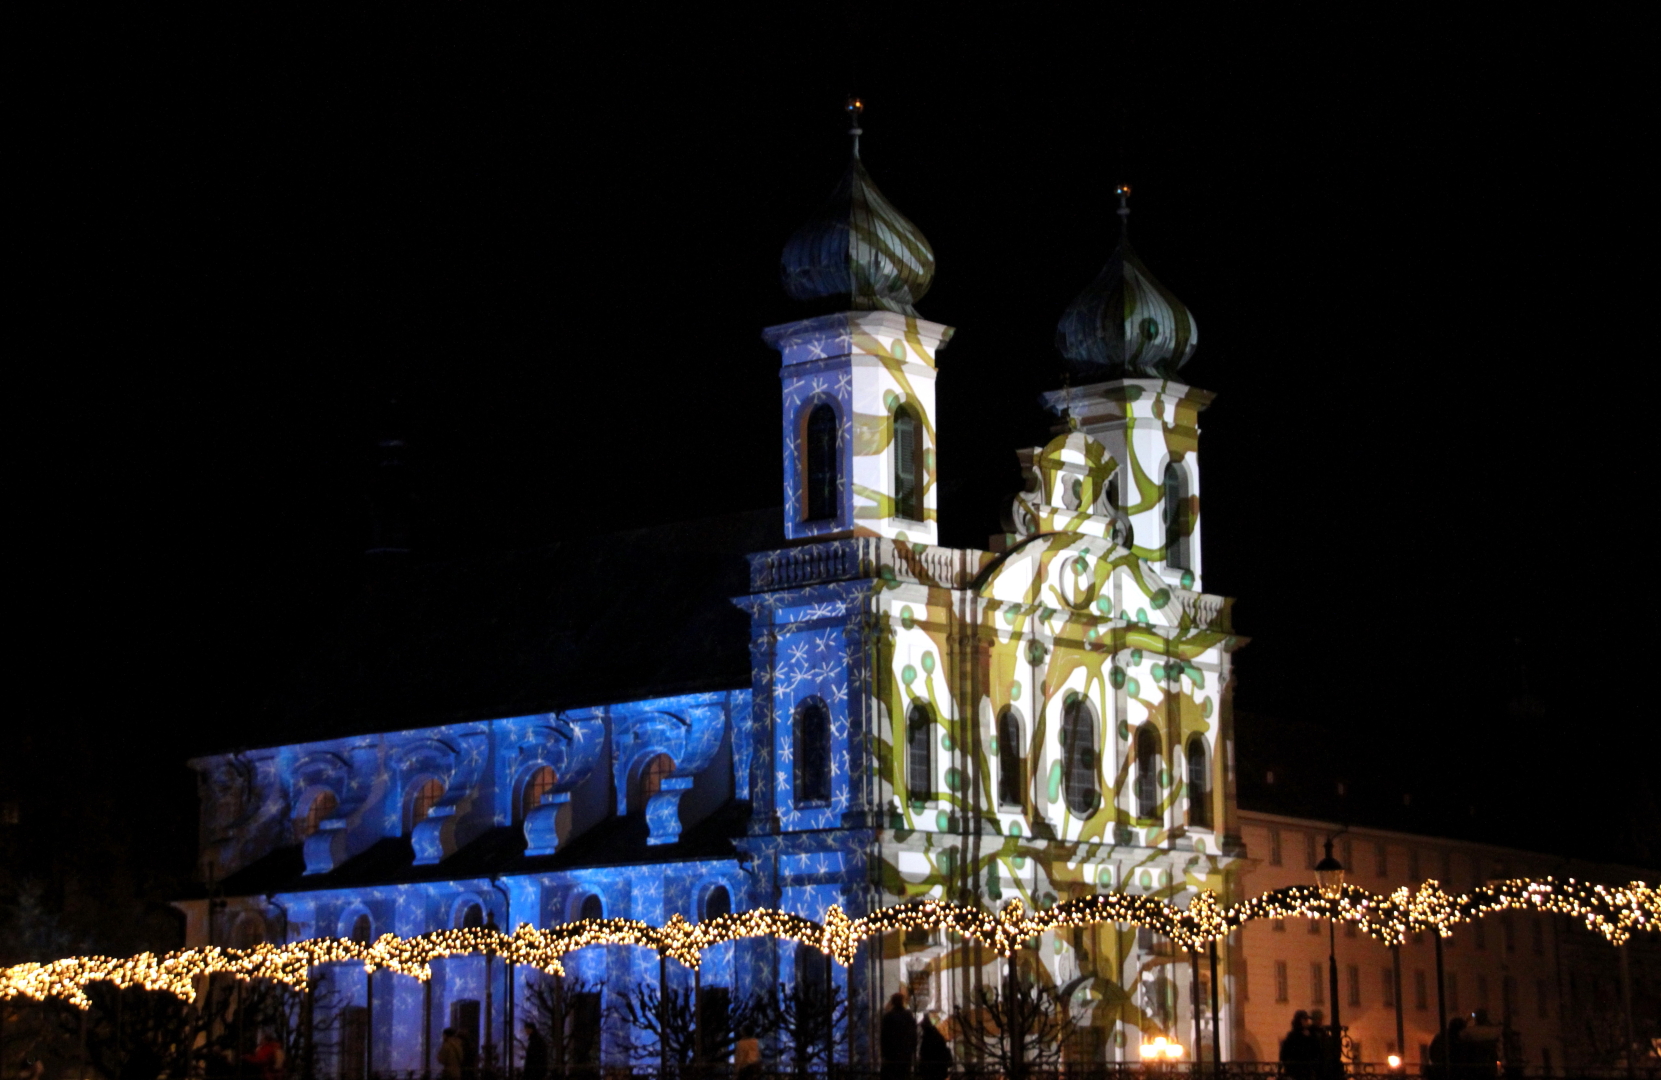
(1329,877)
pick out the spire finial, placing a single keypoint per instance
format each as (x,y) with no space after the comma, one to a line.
(1123,191)
(855,106)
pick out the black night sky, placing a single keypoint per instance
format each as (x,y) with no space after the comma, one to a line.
(1415,251)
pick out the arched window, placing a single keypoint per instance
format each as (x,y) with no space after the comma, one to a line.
(1147,772)
(321,808)
(810,973)
(470,917)
(423,800)
(362,929)
(649,781)
(539,783)
(812,752)
(1178,525)
(717,902)
(919,740)
(1012,773)
(592,907)
(819,461)
(908,465)
(1079,748)
(1199,784)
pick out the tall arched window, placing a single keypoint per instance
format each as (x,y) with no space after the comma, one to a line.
(1079,737)
(422,801)
(362,929)
(592,907)
(810,974)
(819,462)
(470,917)
(539,783)
(919,757)
(1199,784)
(322,807)
(1147,772)
(717,902)
(812,752)
(1178,524)
(650,781)
(1012,773)
(908,465)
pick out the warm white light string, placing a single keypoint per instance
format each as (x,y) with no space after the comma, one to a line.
(1616,912)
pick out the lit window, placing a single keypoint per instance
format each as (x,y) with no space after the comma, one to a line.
(1147,772)
(425,798)
(1012,780)
(540,783)
(919,775)
(1079,732)
(650,781)
(908,465)
(322,807)
(820,461)
(813,752)
(1199,785)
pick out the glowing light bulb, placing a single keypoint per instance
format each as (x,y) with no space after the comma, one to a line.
(1394,1061)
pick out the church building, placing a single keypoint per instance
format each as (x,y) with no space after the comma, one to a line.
(795,710)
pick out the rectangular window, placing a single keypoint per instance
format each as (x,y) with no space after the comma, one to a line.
(1279,925)
(1346,855)
(1508,933)
(1482,991)
(1242,984)
(1274,847)
(1537,935)
(1314,925)
(1353,978)
(1317,984)
(1281,994)
(1453,993)
(1381,859)
(1421,994)
(1542,999)
(1447,870)
(1479,928)
(1508,995)
(1309,851)
(1388,984)
(1349,928)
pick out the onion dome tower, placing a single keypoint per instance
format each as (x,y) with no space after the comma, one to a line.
(1125,322)
(1123,341)
(858,383)
(859,253)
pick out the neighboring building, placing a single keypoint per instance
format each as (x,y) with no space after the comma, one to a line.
(798,710)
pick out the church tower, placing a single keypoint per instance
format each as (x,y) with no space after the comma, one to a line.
(858,382)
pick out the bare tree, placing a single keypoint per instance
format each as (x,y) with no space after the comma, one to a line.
(671,1022)
(808,1021)
(565,1012)
(1020,1027)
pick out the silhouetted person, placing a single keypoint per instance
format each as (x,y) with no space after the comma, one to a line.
(934,1057)
(536,1055)
(899,1039)
(451,1055)
(1441,1062)
(1299,1050)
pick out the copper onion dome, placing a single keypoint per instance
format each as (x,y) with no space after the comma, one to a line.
(859,249)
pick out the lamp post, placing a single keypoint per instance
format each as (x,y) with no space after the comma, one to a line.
(1329,876)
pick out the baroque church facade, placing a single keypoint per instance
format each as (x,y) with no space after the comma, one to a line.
(864,718)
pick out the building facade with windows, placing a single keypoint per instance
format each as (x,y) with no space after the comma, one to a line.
(815,707)
(824,708)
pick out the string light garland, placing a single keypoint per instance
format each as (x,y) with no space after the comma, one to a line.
(1615,912)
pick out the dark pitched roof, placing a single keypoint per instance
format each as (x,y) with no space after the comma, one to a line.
(616,841)
(588,620)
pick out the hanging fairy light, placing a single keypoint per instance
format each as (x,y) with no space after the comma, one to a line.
(1614,912)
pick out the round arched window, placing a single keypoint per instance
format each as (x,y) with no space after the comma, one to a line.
(717,903)
(321,808)
(362,928)
(650,781)
(425,798)
(592,907)
(540,783)
(472,917)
